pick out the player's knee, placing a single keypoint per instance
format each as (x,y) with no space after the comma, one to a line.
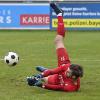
(45,79)
(58,39)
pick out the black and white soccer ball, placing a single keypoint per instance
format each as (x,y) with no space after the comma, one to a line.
(11,59)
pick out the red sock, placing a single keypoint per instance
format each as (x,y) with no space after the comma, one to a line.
(60,29)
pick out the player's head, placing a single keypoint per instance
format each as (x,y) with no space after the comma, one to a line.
(75,71)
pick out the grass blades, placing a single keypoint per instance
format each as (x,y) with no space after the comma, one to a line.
(37,48)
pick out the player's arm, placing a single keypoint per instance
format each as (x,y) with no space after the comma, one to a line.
(72,87)
(52,87)
(66,88)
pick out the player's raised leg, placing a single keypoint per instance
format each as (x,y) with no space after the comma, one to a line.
(59,12)
(60,48)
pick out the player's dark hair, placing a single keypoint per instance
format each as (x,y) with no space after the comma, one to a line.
(77,70)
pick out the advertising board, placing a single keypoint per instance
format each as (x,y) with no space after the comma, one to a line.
(79,16)
(24,16)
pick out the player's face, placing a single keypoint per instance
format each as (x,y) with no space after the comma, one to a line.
(69,73)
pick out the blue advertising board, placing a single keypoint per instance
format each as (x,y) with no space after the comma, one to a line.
(24,16)
(79,16)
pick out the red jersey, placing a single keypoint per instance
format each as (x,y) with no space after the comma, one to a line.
(59,79)
(63,82)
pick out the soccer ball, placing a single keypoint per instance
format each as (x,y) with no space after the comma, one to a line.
(11,58)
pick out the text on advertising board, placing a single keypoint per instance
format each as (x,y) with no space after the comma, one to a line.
(34,19)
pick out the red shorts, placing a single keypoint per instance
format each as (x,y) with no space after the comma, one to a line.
(62,56)
(53,79)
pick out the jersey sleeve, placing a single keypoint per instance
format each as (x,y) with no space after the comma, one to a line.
(53,71)
(72,87)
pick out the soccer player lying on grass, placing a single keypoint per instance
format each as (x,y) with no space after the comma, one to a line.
(66,77)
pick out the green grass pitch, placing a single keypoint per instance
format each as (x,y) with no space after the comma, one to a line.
(37,48)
